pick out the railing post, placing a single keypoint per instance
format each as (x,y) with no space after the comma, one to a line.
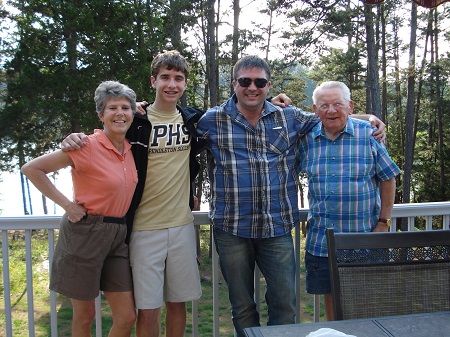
(316,308)
(195,319)
(446,221)
(29,273)
(53,313)
(6,283)
(98,315)
(297,251)
(215,285)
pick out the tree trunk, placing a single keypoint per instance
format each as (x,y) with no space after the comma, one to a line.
(439,107)
(22,177)
(409,114)
(373,104)
(24,199)
(211,64)
(235,47)
(398,109)
(29,195)
(175,30)
(383,67)
(211,61)
(269,34)
(44,204)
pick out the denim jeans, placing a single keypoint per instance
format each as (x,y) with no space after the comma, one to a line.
(275,259)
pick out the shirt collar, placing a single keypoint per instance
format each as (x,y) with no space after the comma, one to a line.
(104,140)
(230,108)
(349,129)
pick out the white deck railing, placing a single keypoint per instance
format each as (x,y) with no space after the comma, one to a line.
(51,223)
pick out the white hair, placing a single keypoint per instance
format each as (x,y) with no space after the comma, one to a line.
(332,85)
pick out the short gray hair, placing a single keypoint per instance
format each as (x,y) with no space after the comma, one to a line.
(113,89)
(332,85)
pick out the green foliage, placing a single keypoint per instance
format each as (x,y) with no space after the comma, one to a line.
(340,65)
(64,50)
(316,24)
(426,173)
(58,52)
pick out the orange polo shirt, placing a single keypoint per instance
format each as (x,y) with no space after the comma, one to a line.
(103,179)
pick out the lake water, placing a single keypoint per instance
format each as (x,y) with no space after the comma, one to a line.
(11,203)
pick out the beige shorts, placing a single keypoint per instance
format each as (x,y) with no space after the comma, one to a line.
(90,255)
(164,264)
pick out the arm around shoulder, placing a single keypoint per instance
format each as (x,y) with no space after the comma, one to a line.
(379,134)
(74,141)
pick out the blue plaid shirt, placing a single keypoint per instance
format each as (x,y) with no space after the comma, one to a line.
(343,178)
(252,172)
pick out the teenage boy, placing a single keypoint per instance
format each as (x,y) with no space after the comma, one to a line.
(160,223)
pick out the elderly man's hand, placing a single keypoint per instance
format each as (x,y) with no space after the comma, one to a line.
(380,134)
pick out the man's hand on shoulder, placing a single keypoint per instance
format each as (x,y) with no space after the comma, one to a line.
(379,134)
(281,100)
(140,107)
(74,141)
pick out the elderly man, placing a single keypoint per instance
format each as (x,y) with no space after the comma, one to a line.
(351,181)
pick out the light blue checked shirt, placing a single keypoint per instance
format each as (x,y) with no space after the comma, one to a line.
(343,181)
(252,172)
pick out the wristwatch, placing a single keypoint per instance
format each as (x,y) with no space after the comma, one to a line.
(386,221)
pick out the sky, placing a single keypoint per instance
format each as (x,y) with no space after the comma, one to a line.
(11,203)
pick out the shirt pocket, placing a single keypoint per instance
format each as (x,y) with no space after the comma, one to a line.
(278,141)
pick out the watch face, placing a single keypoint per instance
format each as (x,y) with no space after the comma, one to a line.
(388,222)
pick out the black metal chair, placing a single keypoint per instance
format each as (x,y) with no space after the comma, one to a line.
(388,274)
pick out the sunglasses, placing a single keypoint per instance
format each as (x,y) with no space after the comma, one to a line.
(246,82)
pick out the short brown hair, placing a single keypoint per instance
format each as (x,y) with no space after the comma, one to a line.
(171,59)
(249,62)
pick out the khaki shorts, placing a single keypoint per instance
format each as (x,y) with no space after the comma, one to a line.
(164,264)
(90,255)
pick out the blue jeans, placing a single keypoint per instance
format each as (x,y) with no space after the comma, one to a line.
(318,279)
(275,259)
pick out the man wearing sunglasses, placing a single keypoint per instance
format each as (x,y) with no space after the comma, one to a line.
(252,148)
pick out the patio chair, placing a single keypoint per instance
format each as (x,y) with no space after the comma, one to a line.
(389,274)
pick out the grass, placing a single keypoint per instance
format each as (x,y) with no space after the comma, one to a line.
(41,294)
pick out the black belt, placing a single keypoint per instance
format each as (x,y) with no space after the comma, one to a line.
(110,219)
(120,221)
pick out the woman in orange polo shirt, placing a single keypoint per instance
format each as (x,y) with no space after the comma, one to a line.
(91,254)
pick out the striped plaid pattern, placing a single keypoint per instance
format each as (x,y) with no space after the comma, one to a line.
(343,177)
(253,178)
